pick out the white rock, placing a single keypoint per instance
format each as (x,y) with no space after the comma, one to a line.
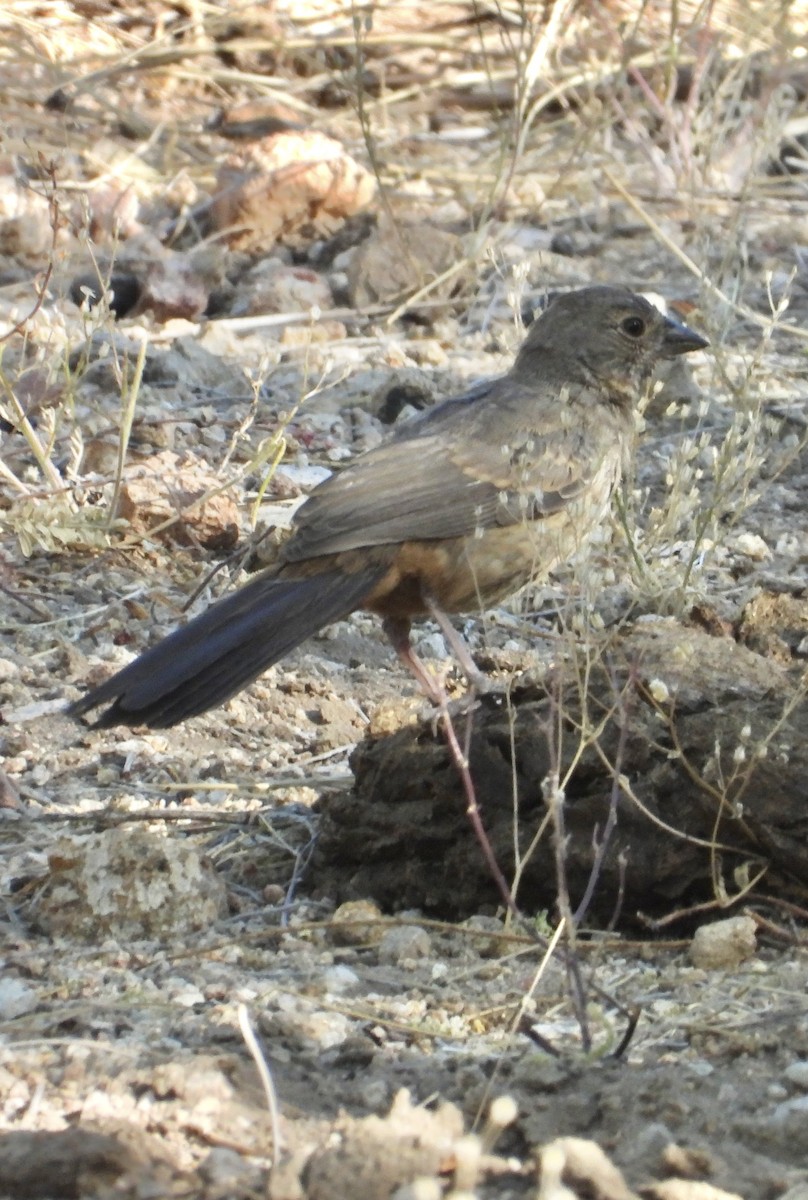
(723,944)
(751,545)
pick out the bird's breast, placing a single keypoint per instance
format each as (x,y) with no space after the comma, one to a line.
(470,574)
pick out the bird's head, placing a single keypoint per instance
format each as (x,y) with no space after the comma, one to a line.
(603,335)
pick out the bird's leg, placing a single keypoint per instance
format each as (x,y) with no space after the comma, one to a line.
(457,645)
(398,633)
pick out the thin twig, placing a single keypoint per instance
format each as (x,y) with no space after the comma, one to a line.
(601,843)
(248,1033)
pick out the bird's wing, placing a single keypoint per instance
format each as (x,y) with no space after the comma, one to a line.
(449,476)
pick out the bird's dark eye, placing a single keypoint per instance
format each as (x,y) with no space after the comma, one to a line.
(633,326)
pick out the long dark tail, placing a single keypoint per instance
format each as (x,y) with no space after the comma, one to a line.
(218,653)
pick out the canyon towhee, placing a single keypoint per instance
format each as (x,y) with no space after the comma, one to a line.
(462,506)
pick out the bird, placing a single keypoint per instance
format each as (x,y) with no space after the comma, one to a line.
(461,507)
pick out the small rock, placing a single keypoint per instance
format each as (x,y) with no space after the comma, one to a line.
(372,1094)
(648,1146)
(751,545)
(127,884)
(9,796)
(398,258)
(288,186)
(404,942)
(348,924)
(16,999)
(188,997)
(339,979)
(389,717)
(114,211)
(162,488)
(797,1073)
(488,947)
(230,1172)
(564,244)
(338,722)
(723,944)
(355,1052)
(790,1116)
(273,286)
(173,287)
(433,646)
(26,237)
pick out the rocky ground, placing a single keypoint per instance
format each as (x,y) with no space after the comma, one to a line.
(298,862)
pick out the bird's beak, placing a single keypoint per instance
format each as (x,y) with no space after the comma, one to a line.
(680,339)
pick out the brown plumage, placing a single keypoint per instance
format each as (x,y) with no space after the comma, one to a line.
(461,507)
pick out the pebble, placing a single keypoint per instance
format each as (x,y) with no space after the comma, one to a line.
(791,1114)
(348,927)
(16,999)
(432,645)
(751,545)
(487,947)
(797,1073)
(404,942)
(339,979)
(229,1171)
(723,944)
